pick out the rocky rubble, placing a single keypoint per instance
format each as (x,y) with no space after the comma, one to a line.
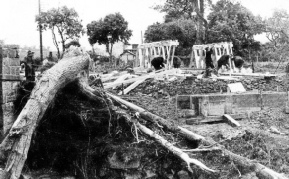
(153,87)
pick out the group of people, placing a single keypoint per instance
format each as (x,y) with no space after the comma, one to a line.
(223,62)
(159,62)
(236,62)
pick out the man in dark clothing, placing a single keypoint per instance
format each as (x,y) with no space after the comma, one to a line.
(177,62)
(224,60)
(208,59)
(210,68)
(158,63)
(239,62)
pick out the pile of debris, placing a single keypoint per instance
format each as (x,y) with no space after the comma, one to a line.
(202,86)
(75,130)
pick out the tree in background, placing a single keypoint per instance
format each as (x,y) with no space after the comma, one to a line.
(230,21)
(277,32)
(113,26)
(182,30)
(62,21)
(277,27)
(188,9)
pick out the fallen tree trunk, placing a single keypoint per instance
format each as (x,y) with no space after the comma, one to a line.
(87,90)
(18,140)
(178,152)
(154,118)
(261,170)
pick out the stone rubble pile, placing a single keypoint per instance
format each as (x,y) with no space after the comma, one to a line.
(202,86)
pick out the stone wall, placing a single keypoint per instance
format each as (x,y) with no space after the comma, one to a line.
(9,82)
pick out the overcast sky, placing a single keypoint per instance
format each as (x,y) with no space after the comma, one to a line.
(17,17)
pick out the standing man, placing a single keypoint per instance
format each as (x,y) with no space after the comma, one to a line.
(29,66)
(210,68)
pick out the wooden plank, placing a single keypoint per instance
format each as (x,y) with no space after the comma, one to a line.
(173,55)
(168,49)
(208,119)
(158,44)
(249,74)
(122,78)
(163,52)
(231,120)
(132,86)
(150,75)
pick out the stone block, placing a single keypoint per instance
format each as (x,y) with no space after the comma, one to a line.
(12,70)
(17,71)
(11,53)
(5,70)
(246,100)
(6,86)
(274,99)
(5,53)
(14,62)
(5,61)
(183,102)
(190,113)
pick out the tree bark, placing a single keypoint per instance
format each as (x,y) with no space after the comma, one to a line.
(18,140)
(89,92)
(55,42)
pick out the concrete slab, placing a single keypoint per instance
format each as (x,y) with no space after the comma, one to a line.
(231,103)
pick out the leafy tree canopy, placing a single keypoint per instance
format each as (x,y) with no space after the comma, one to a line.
(64,21)
(113,24)
(182,30)
(229,21)
(176,9)
(277,32)
(277,27)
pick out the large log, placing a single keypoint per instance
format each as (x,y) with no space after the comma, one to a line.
(154,118)
(89,92)
(18,140)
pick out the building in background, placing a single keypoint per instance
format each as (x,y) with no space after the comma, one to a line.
(129,52)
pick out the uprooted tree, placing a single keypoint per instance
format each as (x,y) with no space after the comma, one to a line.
(73,69)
